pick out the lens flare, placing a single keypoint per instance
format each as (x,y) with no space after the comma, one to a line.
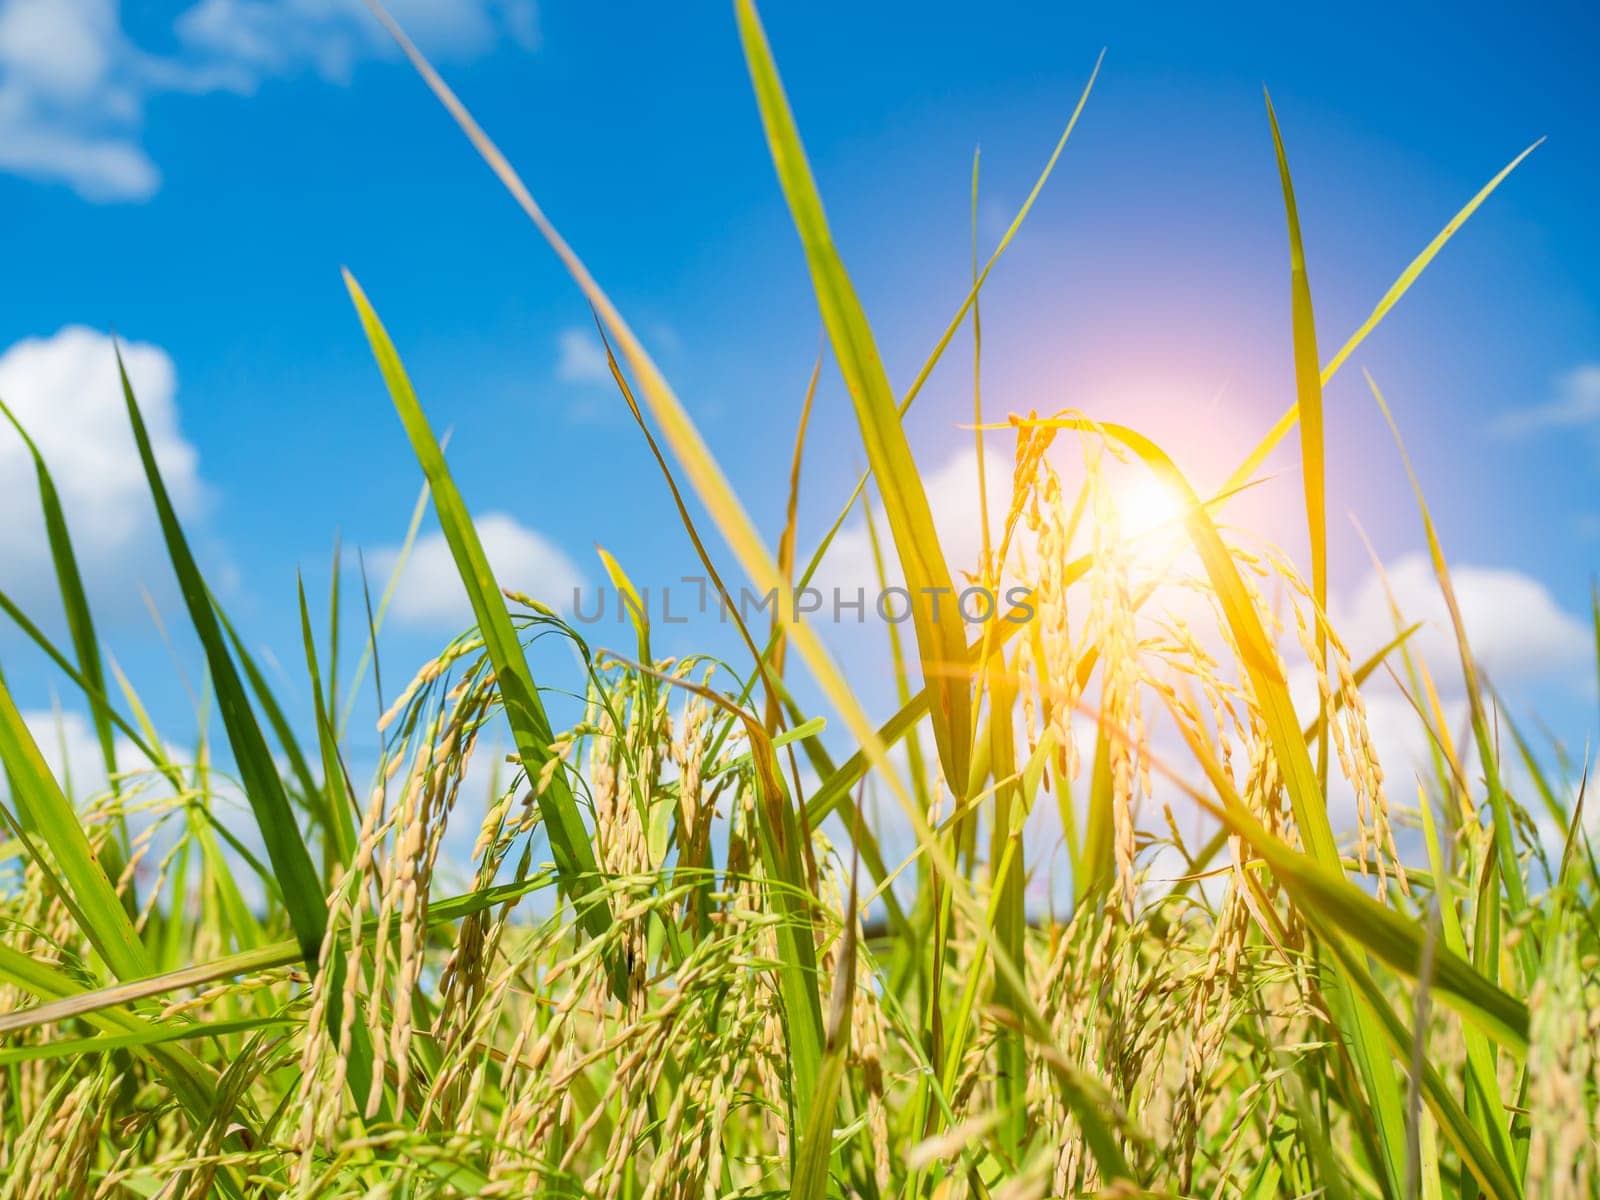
(1147,506)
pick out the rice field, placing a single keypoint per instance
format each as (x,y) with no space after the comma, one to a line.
(682,959)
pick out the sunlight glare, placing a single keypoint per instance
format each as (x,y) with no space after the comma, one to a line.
(1146,505)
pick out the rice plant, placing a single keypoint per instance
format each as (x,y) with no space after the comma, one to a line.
(680,958)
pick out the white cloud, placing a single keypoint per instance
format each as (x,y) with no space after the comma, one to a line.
(71,749)
(1517,631)
(70,97)
(271,37)
(580,358)
(953,498)
(1576,405)
(73,84)
(1519,636)
(430,592)
(65,392)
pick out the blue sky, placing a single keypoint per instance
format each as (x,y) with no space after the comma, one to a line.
(194,176)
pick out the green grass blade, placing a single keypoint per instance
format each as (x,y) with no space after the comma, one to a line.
(791,896)
(153,1035)
(1011,923)
(628,597)
(45,813)
(954,325)
(1327,897)
(96,695)
(916,764)
(1399,288)
(194,1085)
(192,1082)
(337,801)
(816,1136)
(530,727)
(303,894)
(369,651)
(941,638)
(1488,758)
(1308,406)
(74,600)
(1488,1110)
(774,652)
(679,432)
(65,1001)
(277,721)
(1492,1172)
(1097,866)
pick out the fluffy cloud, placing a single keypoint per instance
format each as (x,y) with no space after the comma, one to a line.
(1517,631)
(71,750)
(73,84)
(65,392)
(70,92)
(1519,634)
(271,37)
(953,498)
(430,592)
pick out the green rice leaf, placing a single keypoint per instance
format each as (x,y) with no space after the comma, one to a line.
(941,637)
(1399,288)
(816,1135)
(1326,897)
(530,727)
(74,600)
(303,892)
(1308,405)
(46,814)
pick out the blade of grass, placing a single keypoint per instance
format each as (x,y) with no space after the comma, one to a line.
(917,384)
(96,695)
(303,896)
(791,895)
(44,812)
(74,600)
(1399,288)
(1509,866)
(1308,407)
(1011,921)
(678,430)
(1490,1172)
(107,1042)
(1488,1110)
(272,710)
(369,651)
(786,541)
(816,1135)
(941,639)
(569,840)
(336,797)
(192,1082)
(1097,869)
(68,1001)
(1325,896)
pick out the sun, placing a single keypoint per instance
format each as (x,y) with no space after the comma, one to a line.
(1146,505)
